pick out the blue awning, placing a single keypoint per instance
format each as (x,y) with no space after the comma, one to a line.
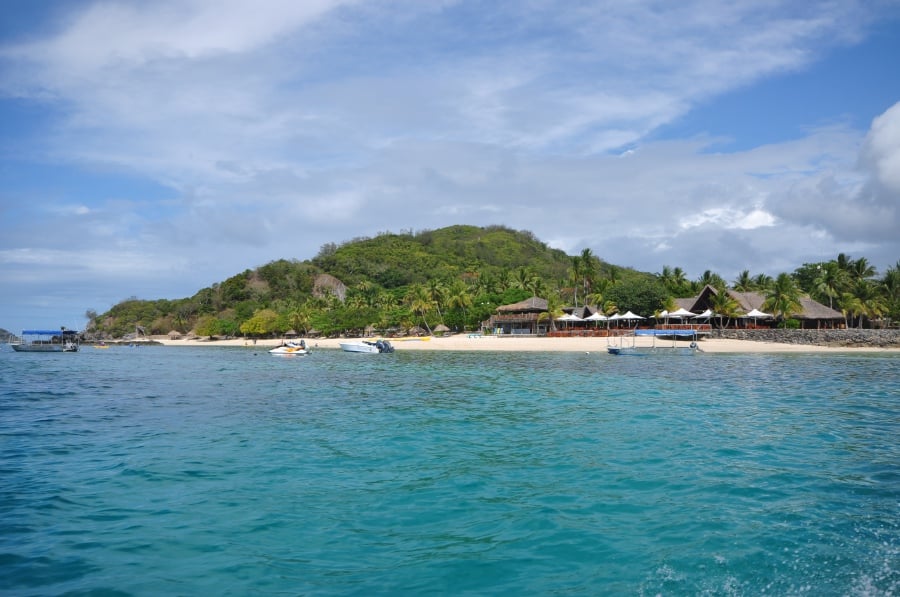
(47,332)
(665,332)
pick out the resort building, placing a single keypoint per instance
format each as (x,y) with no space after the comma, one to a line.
(530,317)
(525,317)
(813,315)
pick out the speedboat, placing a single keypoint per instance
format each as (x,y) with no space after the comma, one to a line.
(375,347)
(291,348)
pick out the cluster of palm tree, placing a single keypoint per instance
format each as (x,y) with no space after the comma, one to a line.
(850,286)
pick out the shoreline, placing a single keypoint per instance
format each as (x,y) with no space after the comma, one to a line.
(470,342)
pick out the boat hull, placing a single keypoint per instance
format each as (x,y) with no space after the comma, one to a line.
(282,351)
(367,347)
(45,348)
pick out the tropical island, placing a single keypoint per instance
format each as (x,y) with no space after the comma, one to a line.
(460,278)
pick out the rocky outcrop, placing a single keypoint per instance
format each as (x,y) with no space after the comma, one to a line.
(850,338)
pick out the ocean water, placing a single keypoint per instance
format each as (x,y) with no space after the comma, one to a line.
(217,471)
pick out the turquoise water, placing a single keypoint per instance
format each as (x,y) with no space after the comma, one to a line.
(217,471)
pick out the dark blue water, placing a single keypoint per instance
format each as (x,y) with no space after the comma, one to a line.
(229,472)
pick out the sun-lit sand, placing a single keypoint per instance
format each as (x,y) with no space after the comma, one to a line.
(512,343)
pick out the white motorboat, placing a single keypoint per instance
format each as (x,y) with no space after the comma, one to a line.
(378,346)
(291,348)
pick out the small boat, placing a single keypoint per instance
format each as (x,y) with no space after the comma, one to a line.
(622,349)
(61,340)
(291,348)
(366,346)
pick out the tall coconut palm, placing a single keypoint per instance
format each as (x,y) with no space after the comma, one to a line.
(576,275)
(784,297)
(588,270)
(762,282)
(851,307)
(861,269)
(890,285)
(419,301)
(871,300)
(438,293)
(724,305)
(554,310)
(831,281)
(459,297)
(744,282)
(712,279)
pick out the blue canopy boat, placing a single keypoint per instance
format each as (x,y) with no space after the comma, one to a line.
(621,349)
(61,340)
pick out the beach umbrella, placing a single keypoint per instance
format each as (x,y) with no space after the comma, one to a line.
(756,314)
(629,317)
(568,318)
(681,313)
(596,316)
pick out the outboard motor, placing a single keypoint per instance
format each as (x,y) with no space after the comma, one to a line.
(386,347)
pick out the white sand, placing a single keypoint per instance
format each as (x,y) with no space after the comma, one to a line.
(511,343)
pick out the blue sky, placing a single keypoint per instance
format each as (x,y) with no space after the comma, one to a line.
(151,149)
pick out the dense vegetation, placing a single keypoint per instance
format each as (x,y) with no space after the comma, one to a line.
(457,277)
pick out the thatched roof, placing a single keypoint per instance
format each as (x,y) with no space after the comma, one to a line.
(441,328)
(174,334)
(816,310)
(754,300)
(533,304)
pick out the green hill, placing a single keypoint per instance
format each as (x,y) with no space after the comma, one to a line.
(456,276)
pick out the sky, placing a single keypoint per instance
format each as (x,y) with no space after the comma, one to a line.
(151,149)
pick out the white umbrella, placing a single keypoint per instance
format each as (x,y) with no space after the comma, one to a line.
(569,317)
(756,313)
(629,316)
(682,312)
(596,316)
(706,314)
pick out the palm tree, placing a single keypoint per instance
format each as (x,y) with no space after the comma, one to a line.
(851,306)
(576,274)
(679,280)
(712,279)
(784,297)
(299,317)
(458,297)
(724,305)
(830,281)
(438,293)
(861,269)
(588,270)
(890,285)
(554,310)
(762,282)
(744,282)
(420,302)
(872,302)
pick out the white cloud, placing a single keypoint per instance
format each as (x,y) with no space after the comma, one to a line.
(882,151)
(279,126)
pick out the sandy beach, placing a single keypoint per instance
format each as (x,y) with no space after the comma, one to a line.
(469,342)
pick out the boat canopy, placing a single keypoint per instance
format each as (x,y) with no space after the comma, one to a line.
(47,332)
(665,332)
